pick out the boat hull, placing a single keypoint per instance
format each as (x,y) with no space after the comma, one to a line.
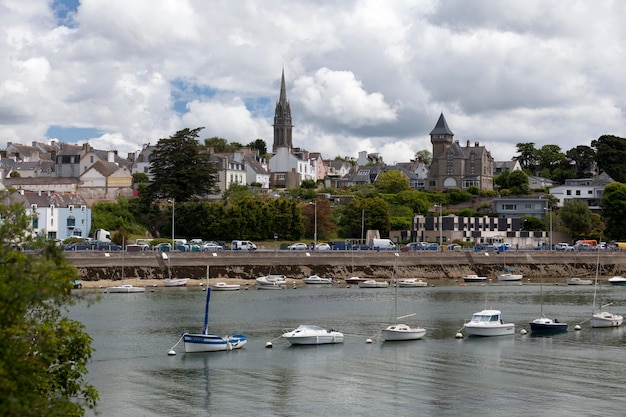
(175,282)
(399,332)
(195,343)
(605,319)
(411,282)
(474,278)
(312,335)
(222,286)
(370,283)
(540,326)
(509,277)
(125,289)
(617,281)
(505,329)
(316,280)
(578,281)
(488,323)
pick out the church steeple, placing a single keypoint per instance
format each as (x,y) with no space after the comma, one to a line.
(282,119)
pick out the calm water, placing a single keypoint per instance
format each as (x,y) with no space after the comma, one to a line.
(576,373)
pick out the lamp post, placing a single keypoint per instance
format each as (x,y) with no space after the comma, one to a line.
(440,228)
(549,210)
(315,226)
(173,203)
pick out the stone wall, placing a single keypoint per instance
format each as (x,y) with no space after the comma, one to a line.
(534,265)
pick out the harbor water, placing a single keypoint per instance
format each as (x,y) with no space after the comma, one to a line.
(574,373)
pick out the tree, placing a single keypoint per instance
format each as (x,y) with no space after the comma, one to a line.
(528,157)
(581,159)
(43,354)
(611,156)
(424,155)
(392,182)
(576,216)
(140,178)
(614,210)
(259,145)
(550,158)
(179,170)
(325,224)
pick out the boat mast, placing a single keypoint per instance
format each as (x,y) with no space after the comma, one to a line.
(205,330)
(595,285)
(395,280)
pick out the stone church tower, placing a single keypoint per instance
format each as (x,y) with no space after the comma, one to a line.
(282,120)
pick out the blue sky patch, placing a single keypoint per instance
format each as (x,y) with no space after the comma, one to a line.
(64,11)
(72,134)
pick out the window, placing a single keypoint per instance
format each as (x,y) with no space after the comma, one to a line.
(577,192)
(71,221)
(35,223)
(509,207)
(568,192)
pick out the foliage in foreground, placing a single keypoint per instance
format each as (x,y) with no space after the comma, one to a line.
(43,354)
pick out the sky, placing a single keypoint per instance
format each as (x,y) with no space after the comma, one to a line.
(361,75)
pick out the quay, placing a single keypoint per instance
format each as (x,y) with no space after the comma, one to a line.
(448,265)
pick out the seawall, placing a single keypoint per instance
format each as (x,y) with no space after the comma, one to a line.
(534,265)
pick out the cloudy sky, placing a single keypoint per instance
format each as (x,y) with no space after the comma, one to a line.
(361,75)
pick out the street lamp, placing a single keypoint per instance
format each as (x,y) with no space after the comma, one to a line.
(440,228)
(315,227)
(549,210)
(173,201)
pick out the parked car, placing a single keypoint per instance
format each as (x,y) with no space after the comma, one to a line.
(163,247)
(564,247)
(322,246)
(298,246)
(409,247)
(78,246)
(212,247)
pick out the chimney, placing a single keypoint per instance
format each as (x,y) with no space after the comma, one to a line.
(111,156)
(476,144)
(468,142)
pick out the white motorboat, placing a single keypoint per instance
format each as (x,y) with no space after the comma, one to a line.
(488,323)
(205,342)
(223,286)
(316,279)
(507,277)
(125,289)
(474,278)
(411,282)
(398,331)
(355,280)
(182,282)
(579,281)
(372,283)
(307,334)
(272,280)
(617,280)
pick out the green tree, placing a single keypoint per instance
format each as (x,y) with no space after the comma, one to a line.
(611,156)
(374,211)
(260,145)
(325,224)
(392,182)
(581,160)
(550,158)
(43,353)
(140,178)
(519,182)
(179,170)
(575,215)
(614,210)
(424,155)
(528,157)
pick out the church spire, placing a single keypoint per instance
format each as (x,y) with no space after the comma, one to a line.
(282,119)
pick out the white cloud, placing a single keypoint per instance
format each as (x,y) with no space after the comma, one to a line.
(360,75)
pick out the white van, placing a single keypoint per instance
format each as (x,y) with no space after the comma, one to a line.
(242,245)
(382,244)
